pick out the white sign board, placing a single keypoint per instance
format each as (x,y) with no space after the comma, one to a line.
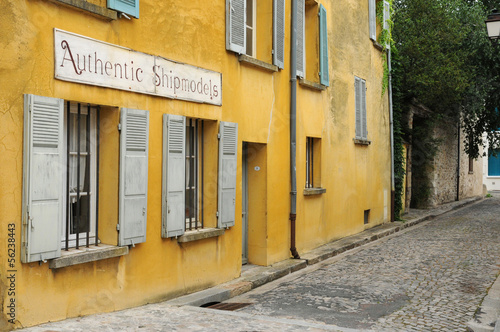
(85,60)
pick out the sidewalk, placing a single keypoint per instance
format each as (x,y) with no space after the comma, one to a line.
(184,314)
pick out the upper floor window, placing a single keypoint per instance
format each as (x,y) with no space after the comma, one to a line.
(129,7)
(375,29)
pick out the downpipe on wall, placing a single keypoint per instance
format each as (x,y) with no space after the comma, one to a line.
(391,121)
(293,129)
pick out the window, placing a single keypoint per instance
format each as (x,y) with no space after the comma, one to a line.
(248,27)
(81,157)
(360,104)
(313,162)
(494,162)
(61,177)
(312,30)
(130,7)
(373,7)
(184,165)
(366,216)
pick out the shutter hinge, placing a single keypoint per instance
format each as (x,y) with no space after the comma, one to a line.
(218,136)
(217,214)
(119,127)
(118,227)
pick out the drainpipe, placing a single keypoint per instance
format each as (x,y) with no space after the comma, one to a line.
(458,162)
(393,186)
(293,129)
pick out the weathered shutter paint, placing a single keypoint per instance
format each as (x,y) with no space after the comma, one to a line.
(357,96)
(387,17)
(372,14)
(43,187)
(235,26)
(228,147)
(323,47)
(130,7)
(364,131)
(133,187)
(174,176)
(279,33)
(301,51)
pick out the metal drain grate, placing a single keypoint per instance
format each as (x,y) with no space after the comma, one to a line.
(228,306)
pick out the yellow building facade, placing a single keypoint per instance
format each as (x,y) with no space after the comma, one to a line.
(155,137)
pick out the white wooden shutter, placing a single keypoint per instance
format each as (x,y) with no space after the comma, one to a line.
(364,131)
(174,176)
(279,33)
(43,174)
(387,17)
(228,147)
(301,51)
(372,14)
(357,97)
(323,47)
(130,7)
(133,189)
(235,26)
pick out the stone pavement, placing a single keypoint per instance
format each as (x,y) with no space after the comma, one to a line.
(425,278)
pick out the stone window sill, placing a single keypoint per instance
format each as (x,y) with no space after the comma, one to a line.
(91,8)
(378,46)
(200,234)
(85,255)
(361,141)
(257,63)
(311,85)
(314,191)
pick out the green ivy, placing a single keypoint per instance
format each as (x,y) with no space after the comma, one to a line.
(385,38)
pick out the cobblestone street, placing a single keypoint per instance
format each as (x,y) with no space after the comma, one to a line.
(432,277)
(429,277)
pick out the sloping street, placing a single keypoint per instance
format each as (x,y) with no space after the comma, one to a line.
(430,277)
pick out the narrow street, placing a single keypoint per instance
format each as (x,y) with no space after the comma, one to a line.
(429,277)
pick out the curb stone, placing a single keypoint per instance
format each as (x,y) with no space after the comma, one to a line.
(261,275)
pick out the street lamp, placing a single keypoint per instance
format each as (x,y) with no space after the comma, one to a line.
(493,26)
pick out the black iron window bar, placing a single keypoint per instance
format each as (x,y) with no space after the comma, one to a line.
(194,174)
(76,217)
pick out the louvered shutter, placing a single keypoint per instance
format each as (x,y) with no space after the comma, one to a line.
(279,33)
(43,187)
(174,175)
(133,188)
(130,7)
(228,146)
(323,47)
(387,17)
(235,26)
(301,51)
(372,14)
(364,131)
(357,97)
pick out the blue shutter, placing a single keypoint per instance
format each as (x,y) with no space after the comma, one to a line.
(372,17)
(301,51)
(174,176)
(130,7)
(323,47)
(279,33)
(44,173)
(228,147)
(133,187)
(235,26)
(494,164)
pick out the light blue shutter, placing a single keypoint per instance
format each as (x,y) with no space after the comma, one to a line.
(372,14)
(133,188)
(323,47)
(357,97)
(387,17)
(174,174)
(130,7)
(235,26)
(301,51)
(228,147)
(44,172)
(364,131)
(279,33)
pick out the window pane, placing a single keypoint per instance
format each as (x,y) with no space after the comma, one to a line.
(249,50)
(250,13)
(74,132)
(81,224)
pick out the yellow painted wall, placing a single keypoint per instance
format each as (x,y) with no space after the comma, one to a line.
(355,177)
